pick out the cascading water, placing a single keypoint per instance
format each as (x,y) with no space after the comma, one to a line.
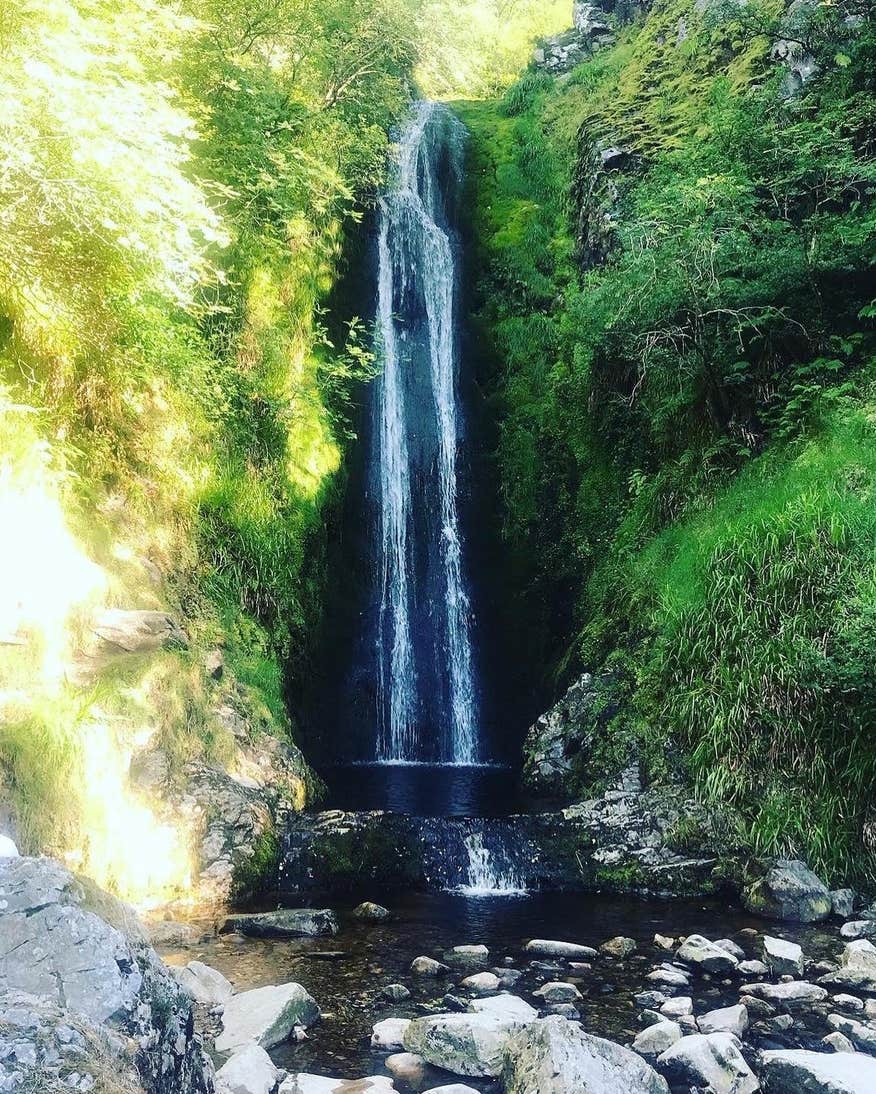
(426,690)
(488,874)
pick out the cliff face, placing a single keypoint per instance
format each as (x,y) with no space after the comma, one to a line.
(671,269)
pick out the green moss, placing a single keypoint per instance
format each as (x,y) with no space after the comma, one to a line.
(255,875)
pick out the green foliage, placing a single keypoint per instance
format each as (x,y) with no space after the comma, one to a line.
(685,441)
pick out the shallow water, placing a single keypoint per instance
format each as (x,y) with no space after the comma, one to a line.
(344,973)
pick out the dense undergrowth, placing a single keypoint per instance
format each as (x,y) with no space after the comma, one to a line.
(688,440)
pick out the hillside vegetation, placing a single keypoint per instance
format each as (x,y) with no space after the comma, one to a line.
(688,442)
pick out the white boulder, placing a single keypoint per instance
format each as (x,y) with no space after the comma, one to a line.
(725,1020)
(390,1033)
(705,955)
(796,1071)
(465,1044)
(250,1071)
(783,958)
(204,985)
(546,947)
(709,1060)
(265,1016)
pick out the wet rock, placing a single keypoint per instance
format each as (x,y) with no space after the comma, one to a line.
(678,1007)
(265,1016)
(731,947)
(837,1042)
(509,1008)
(664,942)
(554,1056)
(650,998)
(368,910)
(407,1067)
(859,928)
(75,966)
(848,1002)
(618,947)
(797,1071)
(705,955)
(558,992)
(204,985)
(783,958)
(481,983)
(725,1020)
(793,994)
(670,975)
(249,1072)
(654,1040)
(285,923)
(427,966)
(862,1036)
(711,1060)
(395,993)
(564,1010)
(789,891)
(545,947)
(858,967)
(465,1044)
(752,968)
(454,1003)
(842,902)
(390,1033)
(508,977)
(468,956)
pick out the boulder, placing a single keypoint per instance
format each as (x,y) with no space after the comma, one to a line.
(859,928)
(204,985)
(510,1008)
(858,967)
(837,1042)
(76,959)
(555,1056)
(265,1016)
(171,934)
(469,955)
(369,910)
(725,1020)
(390,1033)
(249,1072)
(465,1044)
(286,923)
(545,947)
(842,902)
(711,1060)
(861,1035)
(670,976)
(753,968)
(678,1007)
(558,992)
(705,955)
(789,891)
(481,983)
(618,947)
(407,1067)
(795,1071)
(657,1038)
(791,994)
(782,958)
(427,966)
(731,947)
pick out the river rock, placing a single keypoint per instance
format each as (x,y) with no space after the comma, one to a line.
(837,1042)
(859,928)
(304,1083)
(705,955)
(842,902)
(368,910)
(286,923)
(789,891)
(664,942)
(390,1033)
(858,967)
(711,1060)
(657,1038)
(725,1020)
(510,1008)
(466,1044)
(249,1072)
(546,947)
(558,992)
(265,1016)
(848,1002)
(670,976)
(205,985)
(427,966)
(395,993)
(783,958)
(862,1036)
(73,958)
(791,995)
(753,968)
(173,934)
(731,947)
(618,947)
(468,955)
(407,1067)
(554,1056)
(481,983)
(678,1007)
(795,1071)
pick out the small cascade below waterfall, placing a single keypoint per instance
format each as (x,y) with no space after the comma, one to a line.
(426,695)
(490,873)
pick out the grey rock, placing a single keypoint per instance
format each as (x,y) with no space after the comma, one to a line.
(657,1038)
(545,947)
(205,985)
(789,891)
(427,966)
(554,1056)
(669,975)
(510,1008)
(710,1060)
(619,947)
(407,1067)
(861,1035)
(858,967)
(390,1033)
(753,968)
(837,1042)
(558,992)
(705,955)
(265,1016)
(678,1007)
(782,957)
(250,1071)
(849,1003)
(842,902)
(481,983)
(464,1044)
(799,1072)
(395,993)
(286,923)
(725,1020)
(369,910)
(859,928)
(791,995)
(731,947)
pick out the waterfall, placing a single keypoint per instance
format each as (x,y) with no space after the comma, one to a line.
(488,875)
(426,691)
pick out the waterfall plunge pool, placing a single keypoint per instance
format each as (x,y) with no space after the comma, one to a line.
(345,973)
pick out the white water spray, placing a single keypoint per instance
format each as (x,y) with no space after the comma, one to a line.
(487,875)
